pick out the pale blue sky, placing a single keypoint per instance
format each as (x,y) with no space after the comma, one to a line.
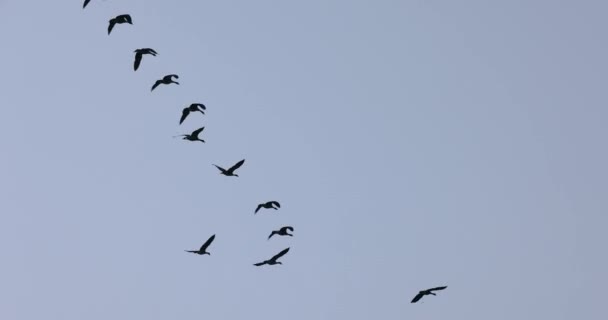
(411,144)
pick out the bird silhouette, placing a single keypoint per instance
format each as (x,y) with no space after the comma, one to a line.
(192,108)
(168,79)
(282,232)
(426,292)
(84,5)
(267,205)
(230,171)
(139,54)
(203,249)
(193,136)
(273,260)
(120,19)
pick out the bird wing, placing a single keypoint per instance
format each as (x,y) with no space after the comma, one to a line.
(156,84)
(200,105)
(237,165)
(280,254)
(417,297)
(138,56)
(259,264)
(221,169)
(258,208)
(207,243)
(173,76)
(152,51)
(271,234)
(287,228)
(437,288)
(196,132)
(84,5)
(111,26)
(276,204)
(185,113)
(127,18)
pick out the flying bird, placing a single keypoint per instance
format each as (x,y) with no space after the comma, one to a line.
(168,79)
(192,108)
(426,292)
(268,205)
(282,232)
(203,249)
(139,53)
(84,5)
(123,18)
(273,260)
(230,171)
(193,136)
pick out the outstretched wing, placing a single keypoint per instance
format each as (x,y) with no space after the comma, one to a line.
(237,165)
(276,204)
(196,132)
(272,234)
(138,56)
(111,26)
(84,5)
(258,208)
(220,168)
(207,243)
(280,254)
(185,113)
(437,288)
(156,84)
(259,264)
(417,297)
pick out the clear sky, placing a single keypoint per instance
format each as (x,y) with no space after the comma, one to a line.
(411,144)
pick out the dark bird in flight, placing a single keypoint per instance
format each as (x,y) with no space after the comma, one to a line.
(168,79)
(282,232)
(192,108)
(268,205)
(230,172)
(84,5)
(203,249)
(139,53)
(426,292)
(193,136)
(123,18)
(273,260)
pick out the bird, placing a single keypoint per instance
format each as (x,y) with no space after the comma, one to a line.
(426,292)
(120,19)
(139,54)
(168,79)
(193,136)
(282,232)
(273,260)
(192,108)
(267,205)
(203,249)
(230,171)
(84,5)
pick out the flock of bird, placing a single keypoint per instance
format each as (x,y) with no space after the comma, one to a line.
(230,172)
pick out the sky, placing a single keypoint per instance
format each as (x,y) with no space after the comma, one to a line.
(411,144)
